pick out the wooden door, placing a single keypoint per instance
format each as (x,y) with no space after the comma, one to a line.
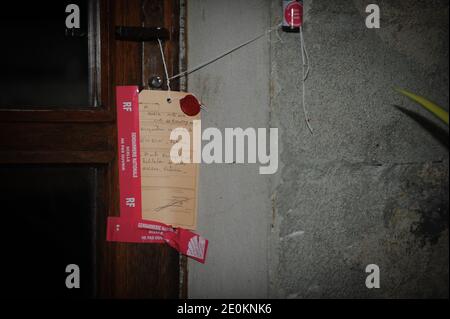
(58,157)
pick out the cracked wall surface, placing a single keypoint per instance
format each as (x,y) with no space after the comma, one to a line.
(370,186)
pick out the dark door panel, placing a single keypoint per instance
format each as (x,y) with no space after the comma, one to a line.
(58,158)
(48,222)
(42,64)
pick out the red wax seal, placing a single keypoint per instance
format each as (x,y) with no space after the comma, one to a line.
(190,105)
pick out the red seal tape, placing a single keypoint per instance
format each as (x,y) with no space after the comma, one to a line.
(144,231)
(127,100)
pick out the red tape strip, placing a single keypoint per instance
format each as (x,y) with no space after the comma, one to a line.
(129,151)
(145,231)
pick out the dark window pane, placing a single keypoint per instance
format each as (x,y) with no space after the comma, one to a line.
(48,218)
(40,65)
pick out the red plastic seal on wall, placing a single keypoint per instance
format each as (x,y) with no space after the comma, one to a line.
(292,14)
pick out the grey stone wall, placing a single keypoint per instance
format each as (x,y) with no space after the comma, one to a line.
(370,186)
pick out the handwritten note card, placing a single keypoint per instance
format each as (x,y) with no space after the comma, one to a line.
(169,190)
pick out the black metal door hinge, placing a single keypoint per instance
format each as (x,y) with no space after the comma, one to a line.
(141,33)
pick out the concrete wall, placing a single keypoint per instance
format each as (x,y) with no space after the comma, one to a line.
(234,199)
(369,186)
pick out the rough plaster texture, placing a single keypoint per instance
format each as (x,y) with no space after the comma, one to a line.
(371,184)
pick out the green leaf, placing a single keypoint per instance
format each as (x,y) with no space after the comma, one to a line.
(428,105)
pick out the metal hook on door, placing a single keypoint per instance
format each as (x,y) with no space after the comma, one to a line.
(144,34)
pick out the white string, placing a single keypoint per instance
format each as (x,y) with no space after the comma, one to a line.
(305,62)
(165,70)
(198,67)
(278,35)
(304,55)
